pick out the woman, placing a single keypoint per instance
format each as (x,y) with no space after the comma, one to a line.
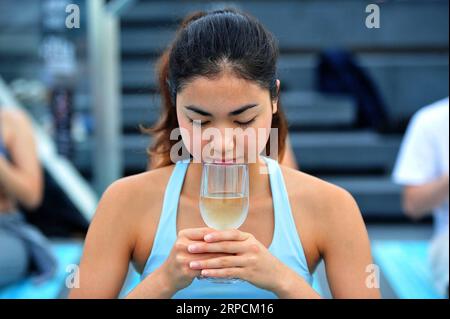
(22,247)
(220,72)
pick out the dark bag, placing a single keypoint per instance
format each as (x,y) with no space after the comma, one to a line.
(338,73)
(57,216)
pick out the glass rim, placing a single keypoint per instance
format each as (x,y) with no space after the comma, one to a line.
(225,164)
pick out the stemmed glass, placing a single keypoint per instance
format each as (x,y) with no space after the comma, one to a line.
(224,199)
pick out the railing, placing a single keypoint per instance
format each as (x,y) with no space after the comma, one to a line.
(104,63)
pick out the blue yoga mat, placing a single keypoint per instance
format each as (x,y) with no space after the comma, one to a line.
(66,254)
(405,266)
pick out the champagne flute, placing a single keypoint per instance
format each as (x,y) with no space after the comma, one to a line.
(224,199)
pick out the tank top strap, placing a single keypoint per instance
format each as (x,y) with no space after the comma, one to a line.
(2,144)
(166,232)
(285,233)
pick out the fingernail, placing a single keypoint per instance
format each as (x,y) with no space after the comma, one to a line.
(205,272)
(194,264)
(193,248)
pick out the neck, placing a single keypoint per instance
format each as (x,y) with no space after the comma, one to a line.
(259,184)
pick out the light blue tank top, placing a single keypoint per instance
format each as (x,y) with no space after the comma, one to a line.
(286,244)
(3,150)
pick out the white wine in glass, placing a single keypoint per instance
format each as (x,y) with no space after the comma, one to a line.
(224,199)
(224,210)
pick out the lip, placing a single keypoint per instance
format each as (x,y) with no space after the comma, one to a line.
(222,162)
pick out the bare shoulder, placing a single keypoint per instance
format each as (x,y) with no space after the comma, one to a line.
(326,211)
(14,121)
(138,192)
(323,198)
(332,229)
(13,117)
(135,206)
(131,201)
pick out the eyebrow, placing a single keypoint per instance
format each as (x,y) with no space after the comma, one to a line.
(232,113)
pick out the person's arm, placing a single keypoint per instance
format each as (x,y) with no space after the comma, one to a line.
(345,248)
(342,240)
(154,286)
(417,168)
(108,246)
(419,201)
(22,179)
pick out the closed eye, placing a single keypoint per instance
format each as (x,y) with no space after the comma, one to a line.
(245,124)
(241,124)
(198,122)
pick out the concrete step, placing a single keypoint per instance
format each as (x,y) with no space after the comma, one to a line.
(312,25)
(376,195)
(23,44)
(347,151)
(312,109)
(402,79)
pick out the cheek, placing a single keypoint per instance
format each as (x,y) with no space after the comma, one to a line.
(186,132)
(193,142)
(263,131)
(251,145)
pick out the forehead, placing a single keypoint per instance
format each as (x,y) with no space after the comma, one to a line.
(222,93)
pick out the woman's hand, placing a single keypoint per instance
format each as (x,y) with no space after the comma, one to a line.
(176,271)
(247,259)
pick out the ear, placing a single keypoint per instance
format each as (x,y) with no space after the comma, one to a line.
(275,101)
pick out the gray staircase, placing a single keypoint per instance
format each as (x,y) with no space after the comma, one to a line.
(407,57)
(19,39)
(308,25)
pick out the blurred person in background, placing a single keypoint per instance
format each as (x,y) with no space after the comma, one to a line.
(422,168)
(23,249)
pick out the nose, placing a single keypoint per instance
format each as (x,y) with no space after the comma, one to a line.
(223,145)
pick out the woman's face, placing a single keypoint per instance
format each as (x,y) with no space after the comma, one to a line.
(225,119)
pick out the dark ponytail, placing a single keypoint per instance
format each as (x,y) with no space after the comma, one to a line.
(204,44)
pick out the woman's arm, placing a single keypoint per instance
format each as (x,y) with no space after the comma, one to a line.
(342,241)
(108,246)
(155,286)
(22,179)
(420,200)
(345,247)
